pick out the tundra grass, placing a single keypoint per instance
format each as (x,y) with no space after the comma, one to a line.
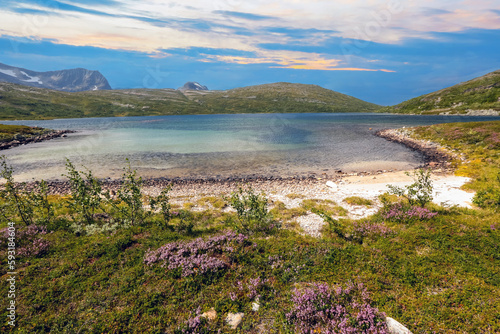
(442,275)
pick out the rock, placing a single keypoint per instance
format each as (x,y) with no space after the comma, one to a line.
(255,305)
(332,185)
(234,319)
(395,327)
(210,314)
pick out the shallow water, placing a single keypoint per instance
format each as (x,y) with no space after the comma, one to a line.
(222,145)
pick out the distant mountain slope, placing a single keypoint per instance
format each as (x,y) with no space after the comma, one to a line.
(74,80)
(477,96)
(283,97)
(22,102)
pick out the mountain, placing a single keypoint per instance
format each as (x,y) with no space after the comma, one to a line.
(22,102)
(193,86)
(74,80)
(477,96)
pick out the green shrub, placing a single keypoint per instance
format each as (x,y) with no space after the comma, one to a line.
(417,193)
(162,202)
(30,205)
(128,203)
(86,194)
(252,212)
(489,197)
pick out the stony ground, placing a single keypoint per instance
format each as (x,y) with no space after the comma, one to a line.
(292,192)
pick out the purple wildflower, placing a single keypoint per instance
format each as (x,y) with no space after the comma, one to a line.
(198,256)
(326,310)
(401,213)
(365,229)
(29,242)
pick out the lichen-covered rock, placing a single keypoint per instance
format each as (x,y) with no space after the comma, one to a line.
(234,319)
(210,314)
(395,327)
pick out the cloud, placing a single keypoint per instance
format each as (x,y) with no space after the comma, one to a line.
(284,34)
(291,60)
(247,16)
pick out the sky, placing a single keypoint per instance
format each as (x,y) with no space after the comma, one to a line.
(381,51)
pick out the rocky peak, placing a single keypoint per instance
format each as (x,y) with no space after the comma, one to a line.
(190,85)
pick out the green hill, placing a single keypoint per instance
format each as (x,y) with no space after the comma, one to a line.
(22,102)
(283,97)
(479,94)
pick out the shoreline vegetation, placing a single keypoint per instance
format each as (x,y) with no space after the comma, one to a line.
(149,257)
(16,135)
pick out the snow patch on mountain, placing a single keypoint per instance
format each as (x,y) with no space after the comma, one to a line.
(9,72)
(31,79)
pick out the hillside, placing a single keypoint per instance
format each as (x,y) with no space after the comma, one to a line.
(23,102)
(479,95)
(283,97)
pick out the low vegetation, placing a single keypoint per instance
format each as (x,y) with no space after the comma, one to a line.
(20,132)
(96,261)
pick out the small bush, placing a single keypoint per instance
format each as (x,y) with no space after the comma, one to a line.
(128,203)
(417,193)
(489,197)
(18,201)
(15,200)
(86,194)
(252,212)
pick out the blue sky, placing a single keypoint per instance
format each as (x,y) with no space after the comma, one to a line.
(379,51)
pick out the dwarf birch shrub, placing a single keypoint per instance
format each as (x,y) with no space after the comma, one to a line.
(489,197)
(417,193)
(252,212)
(128,203)
(86,194)
(29,205)
(162,202)
(15,200)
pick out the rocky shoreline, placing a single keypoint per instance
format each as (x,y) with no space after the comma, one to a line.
(435,156)
(23,140)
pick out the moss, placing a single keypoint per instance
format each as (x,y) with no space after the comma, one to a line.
(324,205)
(294,196)
(216,202)
(356,200)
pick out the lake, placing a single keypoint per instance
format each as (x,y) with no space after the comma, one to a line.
(223,145)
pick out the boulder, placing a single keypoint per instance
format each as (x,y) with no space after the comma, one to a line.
(395,327)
